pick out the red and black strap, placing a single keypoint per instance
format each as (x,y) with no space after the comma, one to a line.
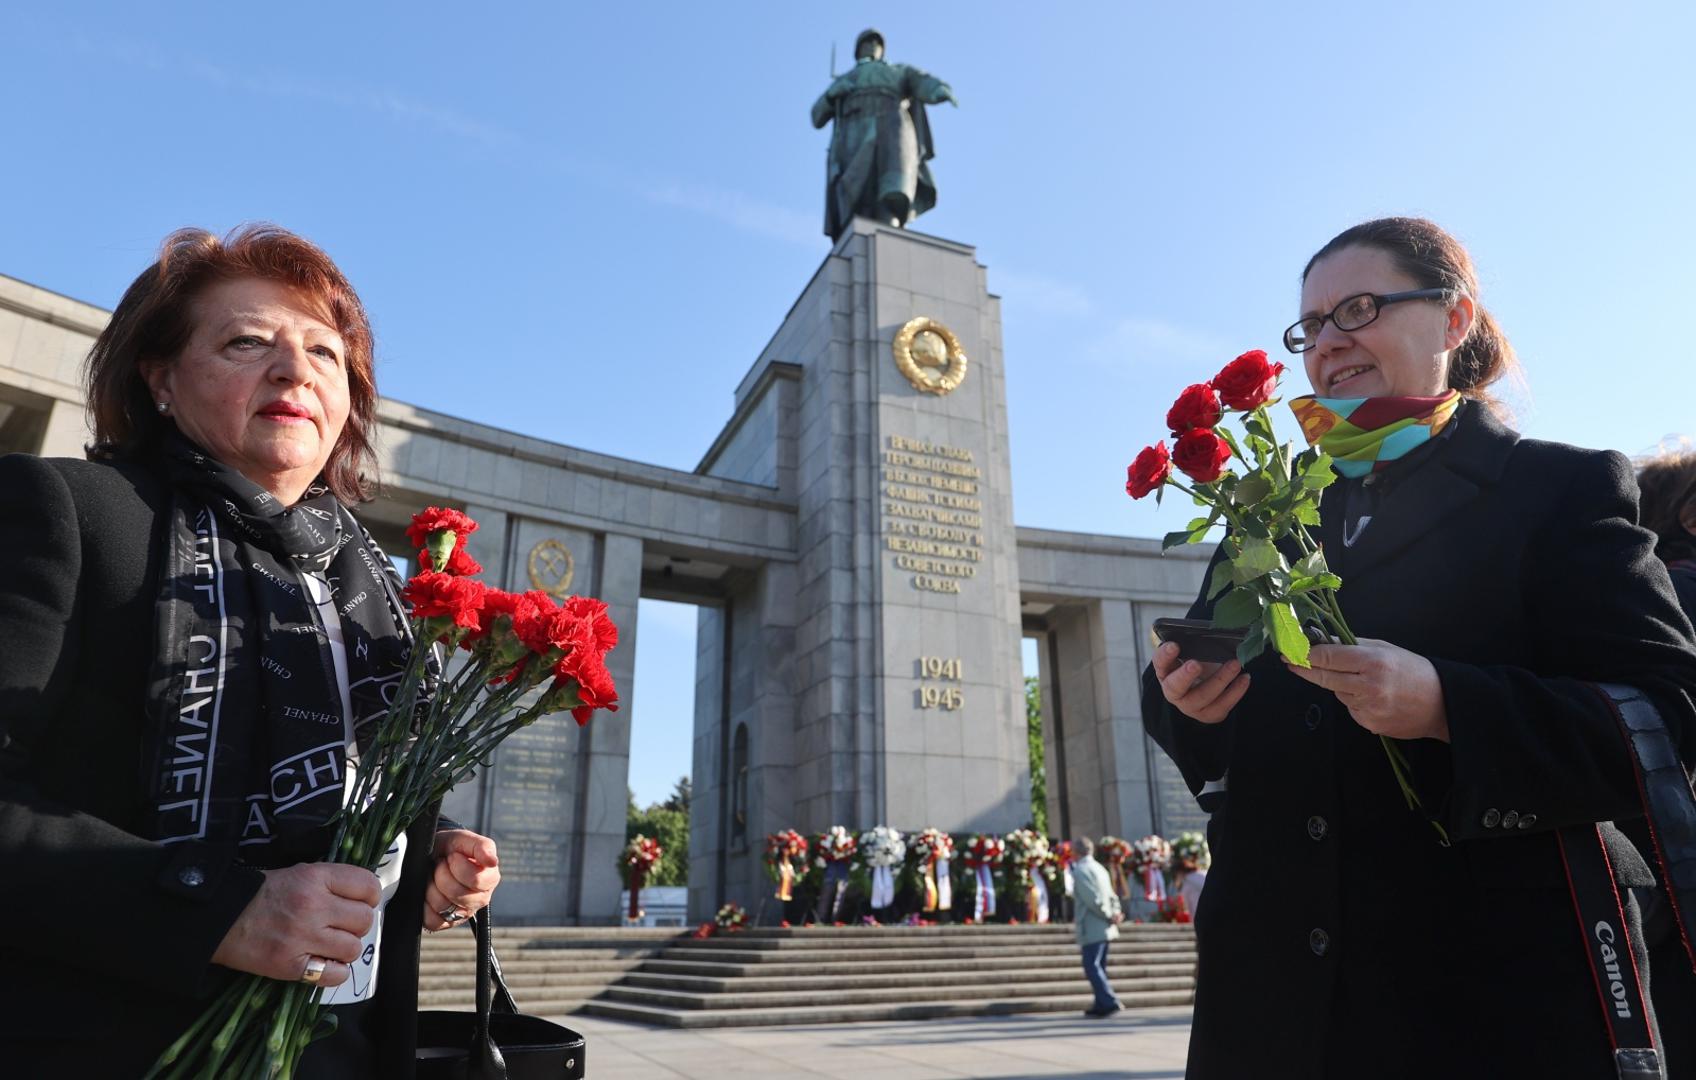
(1601,917)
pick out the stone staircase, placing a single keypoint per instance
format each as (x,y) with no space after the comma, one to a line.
(812,974)
(550,970)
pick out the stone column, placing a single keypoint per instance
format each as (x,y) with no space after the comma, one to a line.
(468,803)
(604,757)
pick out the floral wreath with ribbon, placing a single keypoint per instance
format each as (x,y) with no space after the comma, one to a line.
(786,857)
(984,852)
(731,917)
(1115,853)
(1149,858)
(931,850)
(883,849)
(637,861)
(1027,855)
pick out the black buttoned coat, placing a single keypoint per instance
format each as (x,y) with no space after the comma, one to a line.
(107,955)
(1338,937)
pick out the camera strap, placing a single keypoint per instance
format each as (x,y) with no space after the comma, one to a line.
(1669,804)
(1601,917)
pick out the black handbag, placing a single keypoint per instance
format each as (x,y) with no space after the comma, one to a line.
(497,1042)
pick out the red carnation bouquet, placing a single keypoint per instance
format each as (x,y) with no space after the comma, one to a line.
(1266,507)
(529,656)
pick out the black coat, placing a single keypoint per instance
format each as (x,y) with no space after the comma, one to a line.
(1337,938)
(108,956)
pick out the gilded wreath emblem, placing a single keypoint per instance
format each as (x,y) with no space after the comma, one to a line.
(551,567)
(930,356)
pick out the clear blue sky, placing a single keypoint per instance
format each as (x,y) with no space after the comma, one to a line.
(583,222)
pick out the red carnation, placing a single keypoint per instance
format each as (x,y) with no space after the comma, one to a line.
(432,595)
(1196,407)
(1248,382)
(1148,471)
(595,686)
(459,563)
(594,614)
(436,518)
(1201,454)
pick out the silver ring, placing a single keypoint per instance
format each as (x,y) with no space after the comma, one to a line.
(450,914)
(314,970)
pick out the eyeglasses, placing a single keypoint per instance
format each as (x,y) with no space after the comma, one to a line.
(1357,311)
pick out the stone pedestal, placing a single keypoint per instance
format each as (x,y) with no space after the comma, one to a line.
(903,702)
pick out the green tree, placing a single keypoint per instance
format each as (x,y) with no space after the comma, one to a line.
(1039,767)
(667,822)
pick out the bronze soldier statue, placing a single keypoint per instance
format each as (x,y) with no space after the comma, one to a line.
(880,148)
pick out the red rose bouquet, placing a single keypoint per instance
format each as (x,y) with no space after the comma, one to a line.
(635,863)
(785,852)
(441,725)
(1273,583)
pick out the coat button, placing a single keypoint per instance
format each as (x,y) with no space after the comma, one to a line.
(1319,941)
(192,876)
(1492,818)
(1527,820)
(1314,715)
(1317,827)
(1510,819)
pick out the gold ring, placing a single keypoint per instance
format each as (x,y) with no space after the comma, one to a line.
(314,970)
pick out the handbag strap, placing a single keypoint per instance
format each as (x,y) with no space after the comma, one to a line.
(485,1061)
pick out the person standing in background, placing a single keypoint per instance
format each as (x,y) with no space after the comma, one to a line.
(1097,924)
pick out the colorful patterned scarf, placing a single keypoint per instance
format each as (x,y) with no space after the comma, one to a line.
(1364,434)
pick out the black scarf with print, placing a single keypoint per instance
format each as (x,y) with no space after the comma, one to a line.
(247,745)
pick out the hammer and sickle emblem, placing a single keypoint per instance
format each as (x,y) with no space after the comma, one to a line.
(551,567)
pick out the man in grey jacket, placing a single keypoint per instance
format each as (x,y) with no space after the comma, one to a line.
(1097,923)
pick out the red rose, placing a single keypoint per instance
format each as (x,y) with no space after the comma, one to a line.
(431,595)
(1148,471)
(1196,407)
(1201,454)
(434,519)
(1248,382)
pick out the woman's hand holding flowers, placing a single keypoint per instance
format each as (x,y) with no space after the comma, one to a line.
(1387,689)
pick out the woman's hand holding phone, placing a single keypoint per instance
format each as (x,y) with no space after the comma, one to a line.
(1204,692)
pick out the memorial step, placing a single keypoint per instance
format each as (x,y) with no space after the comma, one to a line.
(740,999)
(1061,969)
(833,1014)
(811,974)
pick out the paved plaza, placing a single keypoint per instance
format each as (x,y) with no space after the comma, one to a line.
(1142,1044)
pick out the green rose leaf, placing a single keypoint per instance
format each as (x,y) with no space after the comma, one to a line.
(1311,566)
(1253,645)
(1257,559)
(1285,630)
(1251,489)
(1241,607)
(1221,579)
(1256,425)
(1319,474)
(1307,514)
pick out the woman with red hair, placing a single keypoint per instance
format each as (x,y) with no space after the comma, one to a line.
(195,633)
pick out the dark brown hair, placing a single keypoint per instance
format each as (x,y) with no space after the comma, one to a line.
(1435,260)
(1668,484)
(154,322)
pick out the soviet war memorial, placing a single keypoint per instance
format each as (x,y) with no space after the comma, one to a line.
(392,526)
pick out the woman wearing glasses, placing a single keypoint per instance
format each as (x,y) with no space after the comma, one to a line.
(1493,581)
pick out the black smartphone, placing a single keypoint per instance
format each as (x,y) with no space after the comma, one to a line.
(1200,640)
